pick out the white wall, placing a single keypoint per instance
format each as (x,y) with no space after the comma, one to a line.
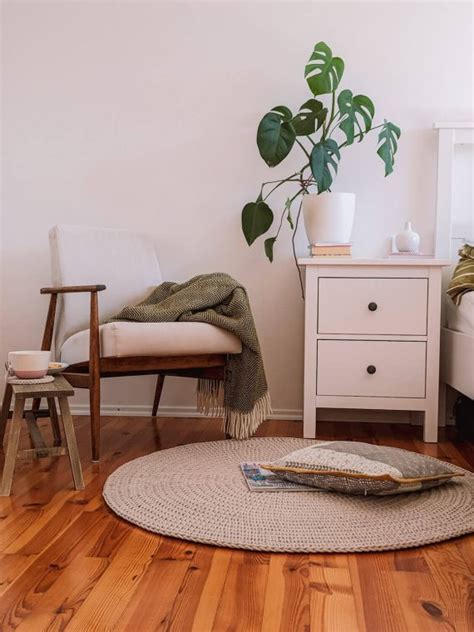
(143,116)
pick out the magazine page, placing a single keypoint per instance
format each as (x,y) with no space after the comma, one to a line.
(261,480)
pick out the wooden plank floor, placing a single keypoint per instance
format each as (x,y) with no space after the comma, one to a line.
(66,562)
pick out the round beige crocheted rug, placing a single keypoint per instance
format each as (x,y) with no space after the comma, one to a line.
(197,492)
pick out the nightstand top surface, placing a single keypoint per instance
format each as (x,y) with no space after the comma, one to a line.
(382,261)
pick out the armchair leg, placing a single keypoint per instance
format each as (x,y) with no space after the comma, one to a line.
(160,380)
(94,398)
(94,377)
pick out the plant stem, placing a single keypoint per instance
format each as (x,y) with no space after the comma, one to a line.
(294,247)
(281,222)
(296,195)
(280,182)
(337,123)
(287,210)
(303,148)
(273,181)
(333,107)
(331,117)
(304,169)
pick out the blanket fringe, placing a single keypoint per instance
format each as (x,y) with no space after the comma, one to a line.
(243,425)
(210,397)
(239,425)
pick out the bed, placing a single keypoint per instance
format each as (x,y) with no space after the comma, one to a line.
(454,227)
(461,318)
(457,349)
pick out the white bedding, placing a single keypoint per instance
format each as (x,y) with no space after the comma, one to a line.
(461,318)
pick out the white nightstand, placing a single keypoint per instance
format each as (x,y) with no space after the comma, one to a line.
(372,329)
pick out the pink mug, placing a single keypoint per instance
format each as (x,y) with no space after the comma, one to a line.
(29,364)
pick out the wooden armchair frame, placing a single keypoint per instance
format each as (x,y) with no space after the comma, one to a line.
(88,374)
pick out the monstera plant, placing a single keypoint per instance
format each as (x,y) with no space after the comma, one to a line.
(320,129)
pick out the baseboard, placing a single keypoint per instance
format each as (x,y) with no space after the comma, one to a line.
(372,416)
(169,411)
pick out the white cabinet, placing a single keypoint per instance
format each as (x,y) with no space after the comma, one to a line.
(372,336)
(371,368)
(372,306)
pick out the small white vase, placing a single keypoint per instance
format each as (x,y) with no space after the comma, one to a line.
(329,217)
(408,240)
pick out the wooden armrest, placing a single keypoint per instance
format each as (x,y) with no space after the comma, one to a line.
(66,289)
(94,338)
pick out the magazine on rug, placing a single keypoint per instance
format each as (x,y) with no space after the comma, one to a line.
(262,480)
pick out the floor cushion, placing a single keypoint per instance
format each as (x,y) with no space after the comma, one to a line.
(354,467)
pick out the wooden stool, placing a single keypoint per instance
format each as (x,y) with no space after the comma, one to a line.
(59,389)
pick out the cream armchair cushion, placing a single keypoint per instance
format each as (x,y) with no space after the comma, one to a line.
(127,264)
(152,339)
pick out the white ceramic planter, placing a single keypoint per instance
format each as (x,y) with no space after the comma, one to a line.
(329,217)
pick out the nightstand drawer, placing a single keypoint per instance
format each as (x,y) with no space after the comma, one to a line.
(372,306)
(370,368)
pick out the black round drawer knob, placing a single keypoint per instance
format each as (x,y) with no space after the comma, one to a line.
(373,307)
(371,369)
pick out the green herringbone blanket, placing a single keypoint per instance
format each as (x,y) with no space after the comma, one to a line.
(462,280)
(242,399)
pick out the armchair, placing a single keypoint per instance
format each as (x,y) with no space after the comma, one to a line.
(127,264)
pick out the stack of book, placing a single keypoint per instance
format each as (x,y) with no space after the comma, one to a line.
(324,249)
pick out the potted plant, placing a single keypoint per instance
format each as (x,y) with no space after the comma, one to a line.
(320,130)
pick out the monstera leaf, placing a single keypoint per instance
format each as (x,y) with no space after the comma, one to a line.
(284,112)
(275,135)
(324,156)
(257,217)
(323,72)
(310,118)
(388,145)
(357,113)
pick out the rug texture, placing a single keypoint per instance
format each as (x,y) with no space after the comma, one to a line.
(197,492)
(218,299)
